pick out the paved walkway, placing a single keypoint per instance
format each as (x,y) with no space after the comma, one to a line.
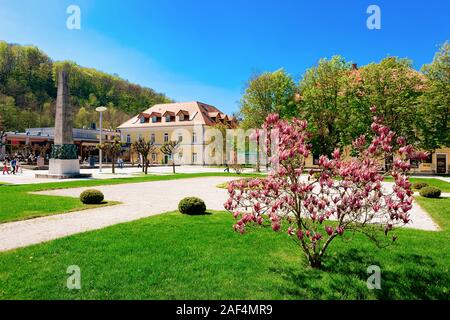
(139,200)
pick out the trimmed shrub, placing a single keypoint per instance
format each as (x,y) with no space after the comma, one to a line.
(91,196)
(419,185)
(430,192)
(192,205)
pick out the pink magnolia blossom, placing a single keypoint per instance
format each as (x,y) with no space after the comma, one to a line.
(347,195)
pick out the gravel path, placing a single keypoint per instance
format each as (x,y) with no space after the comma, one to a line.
(139,200)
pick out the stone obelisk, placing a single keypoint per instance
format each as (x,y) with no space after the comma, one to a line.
(64,160)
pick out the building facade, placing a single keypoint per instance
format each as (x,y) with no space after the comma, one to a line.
(190,123)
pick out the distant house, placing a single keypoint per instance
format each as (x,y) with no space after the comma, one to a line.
(186,122)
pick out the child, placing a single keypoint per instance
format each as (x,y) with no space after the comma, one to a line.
(5,166)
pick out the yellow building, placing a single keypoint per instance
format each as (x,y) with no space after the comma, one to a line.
(437,162)
(186,122)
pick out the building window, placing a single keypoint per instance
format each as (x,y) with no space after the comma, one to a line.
(154,119)
(128,138)
(180,155)
(142,119)
(152,138)
(168,118)
(429,159)
(194,137)
(182,117)
(414,164)
(166,137)
(140,137)
(153,157)
(194,157)
(180,137)
(316,159)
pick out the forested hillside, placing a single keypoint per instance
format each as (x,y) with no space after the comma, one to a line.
(28,91)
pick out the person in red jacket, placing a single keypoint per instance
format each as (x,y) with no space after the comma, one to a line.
(5,166)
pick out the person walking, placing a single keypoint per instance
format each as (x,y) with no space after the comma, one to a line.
(227,167)
(5,166)
(18,167)
(13,165)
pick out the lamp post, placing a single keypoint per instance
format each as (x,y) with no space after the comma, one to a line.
(100,109)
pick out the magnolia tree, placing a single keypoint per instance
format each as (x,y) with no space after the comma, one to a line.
(346,195)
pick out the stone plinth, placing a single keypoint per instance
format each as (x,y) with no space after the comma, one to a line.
(64,166)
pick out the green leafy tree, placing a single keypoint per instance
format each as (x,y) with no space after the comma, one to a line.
(320,89)
(82,118)
(434,124)
(144,148)
(394,87)
(267,93)
(170,148)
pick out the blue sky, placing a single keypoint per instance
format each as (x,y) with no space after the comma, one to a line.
(206,50)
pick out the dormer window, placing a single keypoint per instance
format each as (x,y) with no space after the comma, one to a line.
(154,119)
(143,117)
(168,118)
(183,115)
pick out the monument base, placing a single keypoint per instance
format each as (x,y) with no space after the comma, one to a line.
(64,166)
(63,169)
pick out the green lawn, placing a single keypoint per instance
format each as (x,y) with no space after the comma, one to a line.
(439,209)
(441,184)
(18,204)
(174,256)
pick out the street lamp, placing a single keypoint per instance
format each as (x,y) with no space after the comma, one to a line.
(100,109)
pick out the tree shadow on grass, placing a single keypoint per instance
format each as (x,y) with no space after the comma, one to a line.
(206,213)
(344,276)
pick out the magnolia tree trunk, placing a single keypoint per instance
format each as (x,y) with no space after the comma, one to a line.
(173,163)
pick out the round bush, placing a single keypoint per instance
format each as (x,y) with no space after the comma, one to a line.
(91,196)
(430,192)
(192,205)
(419,185)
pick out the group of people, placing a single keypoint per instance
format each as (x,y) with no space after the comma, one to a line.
(14,166)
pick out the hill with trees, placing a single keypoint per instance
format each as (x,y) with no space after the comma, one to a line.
(28,91)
